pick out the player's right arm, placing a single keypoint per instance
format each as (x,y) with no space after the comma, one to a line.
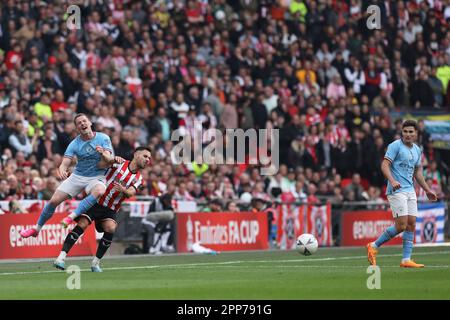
(107,159)
(389,157)
(63,169)
(386,169)
(69,157)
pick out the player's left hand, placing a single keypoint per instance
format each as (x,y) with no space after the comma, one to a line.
(99,149)
(118,187)
(119,160)
(431,196)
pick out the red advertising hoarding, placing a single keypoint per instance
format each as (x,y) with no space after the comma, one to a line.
(47,244)
(222,231)
(362,227)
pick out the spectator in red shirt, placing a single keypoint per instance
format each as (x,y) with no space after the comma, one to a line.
(14,57)
(58,103)
(373,80)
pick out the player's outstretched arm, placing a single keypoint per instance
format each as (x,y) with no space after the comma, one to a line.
(386,170)
(421,181)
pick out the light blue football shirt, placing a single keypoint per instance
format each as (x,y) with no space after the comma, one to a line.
(403,161)
(88,158)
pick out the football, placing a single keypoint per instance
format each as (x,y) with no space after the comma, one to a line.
(307,244)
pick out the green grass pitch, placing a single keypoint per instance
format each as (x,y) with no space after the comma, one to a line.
(332,273)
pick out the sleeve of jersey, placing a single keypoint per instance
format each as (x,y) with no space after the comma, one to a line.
(106,143)
(138,184)
(391,152)
(70,151)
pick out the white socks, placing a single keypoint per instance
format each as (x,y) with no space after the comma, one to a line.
(73,215)
(96,261)
(62,256)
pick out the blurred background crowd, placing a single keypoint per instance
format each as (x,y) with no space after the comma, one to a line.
(141,69)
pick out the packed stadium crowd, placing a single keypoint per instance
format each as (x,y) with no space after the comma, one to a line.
(142,69)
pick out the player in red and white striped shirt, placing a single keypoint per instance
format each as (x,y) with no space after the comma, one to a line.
(123,180)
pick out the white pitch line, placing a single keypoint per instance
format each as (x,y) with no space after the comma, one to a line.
(225,263)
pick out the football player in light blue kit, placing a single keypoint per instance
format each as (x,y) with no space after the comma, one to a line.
(89,148)
(400,165)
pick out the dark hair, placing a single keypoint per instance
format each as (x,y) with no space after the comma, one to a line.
(410,123)
(142,149)
(165,197)
(77,116)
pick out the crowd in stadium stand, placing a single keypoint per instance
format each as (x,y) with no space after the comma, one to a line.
(142,69)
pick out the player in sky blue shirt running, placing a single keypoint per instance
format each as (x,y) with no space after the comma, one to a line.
(400,165)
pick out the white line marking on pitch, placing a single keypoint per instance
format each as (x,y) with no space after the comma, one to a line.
(225,263)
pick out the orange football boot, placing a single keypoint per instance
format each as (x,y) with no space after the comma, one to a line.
(372,254)
(411,264)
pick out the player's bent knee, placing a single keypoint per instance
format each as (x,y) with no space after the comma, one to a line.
(98,191)
(400,227)
(83,223)
(110,227)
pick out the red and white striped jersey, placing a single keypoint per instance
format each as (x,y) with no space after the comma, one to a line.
(120,173)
